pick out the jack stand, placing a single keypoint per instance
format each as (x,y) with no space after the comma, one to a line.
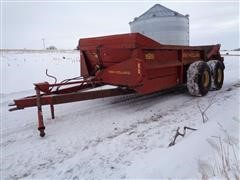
(41,126)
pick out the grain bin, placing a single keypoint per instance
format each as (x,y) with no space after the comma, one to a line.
(163,25)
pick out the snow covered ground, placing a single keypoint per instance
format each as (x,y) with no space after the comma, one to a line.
(116,137)
(23,68)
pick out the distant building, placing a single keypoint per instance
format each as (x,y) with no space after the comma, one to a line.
(51,48)
(163,25)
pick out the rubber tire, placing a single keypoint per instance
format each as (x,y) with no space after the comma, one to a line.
(195,75)
(215,65)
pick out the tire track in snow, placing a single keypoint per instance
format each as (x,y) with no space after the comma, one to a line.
(121,158)
(135,139)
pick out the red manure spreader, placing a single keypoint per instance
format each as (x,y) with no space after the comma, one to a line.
(133,63)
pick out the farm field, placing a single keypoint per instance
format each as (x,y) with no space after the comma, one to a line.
(117,137)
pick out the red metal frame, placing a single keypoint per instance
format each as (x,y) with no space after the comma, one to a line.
(130,61)
(140,63)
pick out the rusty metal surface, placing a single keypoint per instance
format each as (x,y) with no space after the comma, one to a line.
(140,63)
(131,61)
(68,97)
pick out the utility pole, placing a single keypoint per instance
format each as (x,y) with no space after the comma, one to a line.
(43,43)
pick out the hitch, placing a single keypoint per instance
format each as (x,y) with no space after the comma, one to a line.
(45,96)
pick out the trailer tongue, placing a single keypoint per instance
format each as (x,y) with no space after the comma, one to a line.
(134,64)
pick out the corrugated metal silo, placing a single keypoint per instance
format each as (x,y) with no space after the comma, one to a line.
(163,25)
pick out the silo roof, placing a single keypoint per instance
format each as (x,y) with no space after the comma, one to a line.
(158,11)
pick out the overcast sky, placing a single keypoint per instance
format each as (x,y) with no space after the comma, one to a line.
(24,24)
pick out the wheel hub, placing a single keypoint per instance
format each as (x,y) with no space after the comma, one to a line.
(205,79)
(219,75)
